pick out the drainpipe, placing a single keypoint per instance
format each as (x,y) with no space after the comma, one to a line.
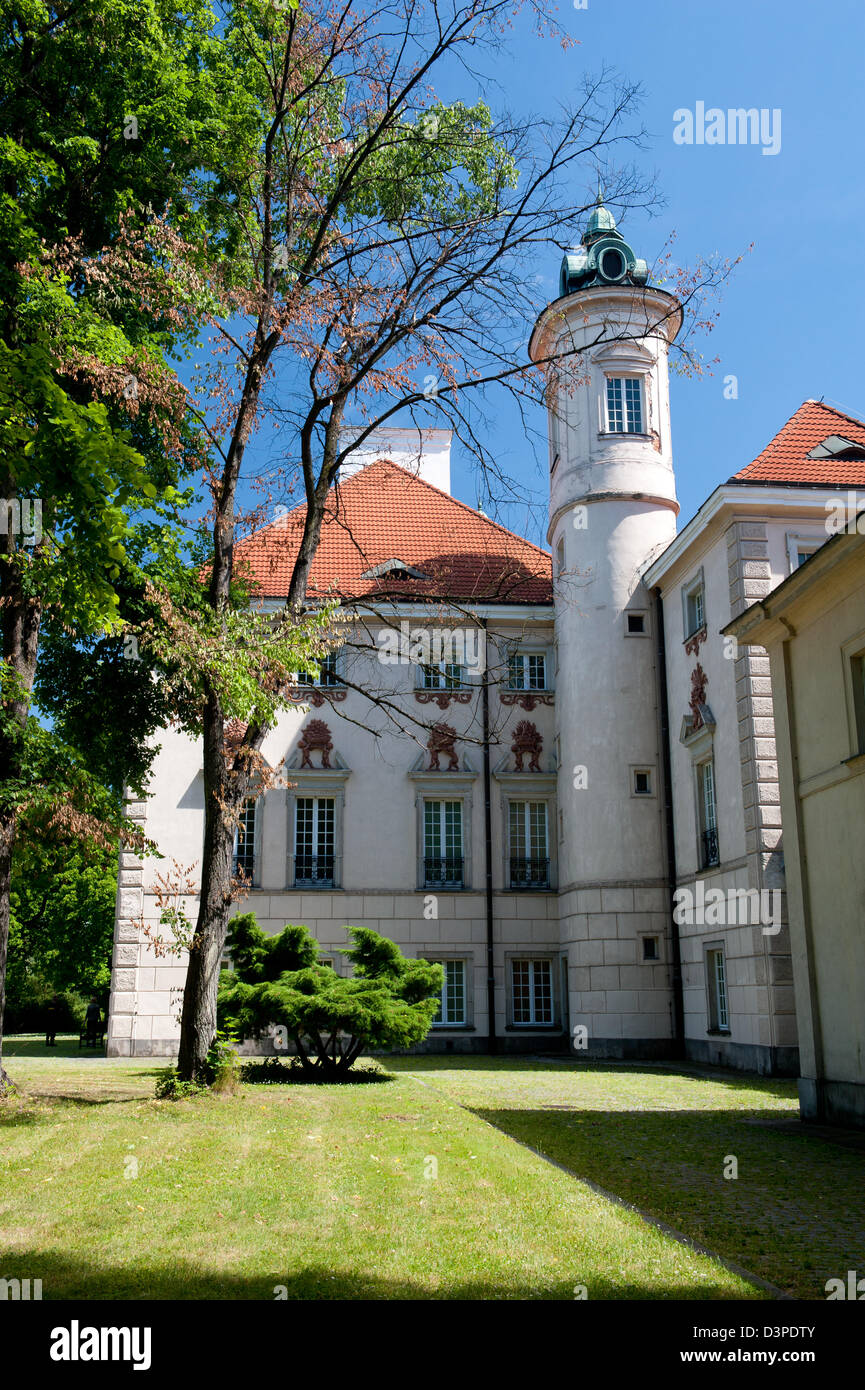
(675,945)
(492,1040)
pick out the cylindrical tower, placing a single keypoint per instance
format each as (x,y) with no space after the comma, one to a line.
(612,508)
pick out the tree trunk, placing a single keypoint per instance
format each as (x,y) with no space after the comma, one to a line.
(7,837)
(223,795)
(20,614)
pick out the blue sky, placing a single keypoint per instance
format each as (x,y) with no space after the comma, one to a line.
(788,326)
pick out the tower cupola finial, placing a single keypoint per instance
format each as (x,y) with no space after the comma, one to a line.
(603,256)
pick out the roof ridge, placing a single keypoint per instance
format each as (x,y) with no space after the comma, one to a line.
(386,463)
(854,420)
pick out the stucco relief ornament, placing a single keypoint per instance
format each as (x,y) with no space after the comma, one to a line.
(526,699)
(316,695)
(692,646)
(441,740)
(443,698)
(699,681)
(316,738)
(527,743)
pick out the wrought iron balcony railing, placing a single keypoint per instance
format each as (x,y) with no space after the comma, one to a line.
(443,873)
(530,873)
(711,857)
(314,870)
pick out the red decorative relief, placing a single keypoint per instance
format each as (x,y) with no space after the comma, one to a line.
(527,743)
(441,741)
(699,681)
(316,738)
(526,699)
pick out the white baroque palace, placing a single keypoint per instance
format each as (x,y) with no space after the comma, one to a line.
(551,772)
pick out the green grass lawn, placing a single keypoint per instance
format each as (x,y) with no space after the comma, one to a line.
(377,1191)
(659,1139)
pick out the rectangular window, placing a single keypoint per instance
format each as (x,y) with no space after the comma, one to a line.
(695,609)
(244,842)
(443,844)
(642,782)
(717,979)
(709,856)
(327,673)
(650,948)
(527,671)
(314,851)
(452,1007)
(636,624)
(532,991)
(529,849)
(624,405)
(857,670)
(447,675)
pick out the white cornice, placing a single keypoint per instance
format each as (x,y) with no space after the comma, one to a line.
(758,498)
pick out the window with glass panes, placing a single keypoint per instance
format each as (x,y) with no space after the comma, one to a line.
(695,609)
(529,851)
(527,671)
(244,841)
(327,673)
(708,814)
(452,1007)
(717,968)
(314,854)
(532,991)
(447,675)
(624,405)
(443,842)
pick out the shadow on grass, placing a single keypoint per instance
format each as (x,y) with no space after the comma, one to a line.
(64,1278)
(792,1210)
(32,1045)
(783,1088)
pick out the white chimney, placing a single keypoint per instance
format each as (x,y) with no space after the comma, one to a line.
(424,452)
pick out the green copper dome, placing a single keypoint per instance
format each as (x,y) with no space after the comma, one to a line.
(602,258)
(601,221)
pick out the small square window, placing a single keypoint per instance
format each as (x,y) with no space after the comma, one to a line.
(636,623)
(651,948)
(642,782)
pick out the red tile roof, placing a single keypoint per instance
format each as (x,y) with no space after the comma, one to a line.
(383,512)
(785,459)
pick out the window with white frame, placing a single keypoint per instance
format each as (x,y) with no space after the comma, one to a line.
(314,841)
(532,991)
(452,1005)
(716,978)
(244,841)
(527,671)
(528,844)
(694,605)
(624,405)
(708,813)
(857,672)
(444,675)
(328,672)
(443,844)
(800,548)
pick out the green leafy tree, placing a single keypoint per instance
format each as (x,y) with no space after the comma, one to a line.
(106,111)
(389,1002)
